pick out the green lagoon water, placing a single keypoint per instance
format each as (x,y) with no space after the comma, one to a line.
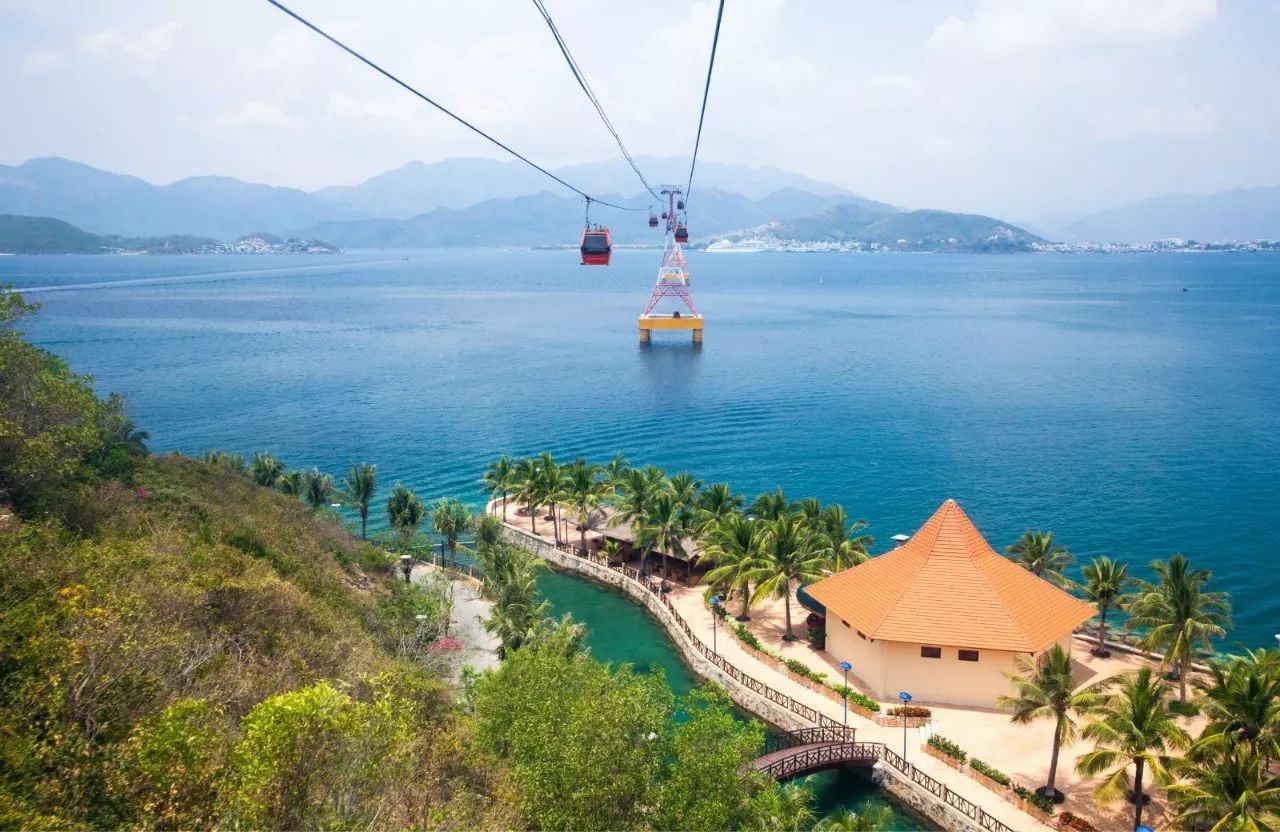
(619,631)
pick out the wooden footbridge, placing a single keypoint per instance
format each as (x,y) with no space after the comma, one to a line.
(814,749)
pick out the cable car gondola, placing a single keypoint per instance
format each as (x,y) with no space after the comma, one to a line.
(682,233)
(596,247)
(653,220)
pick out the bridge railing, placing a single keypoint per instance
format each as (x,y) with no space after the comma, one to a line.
(807,736)
(882,752)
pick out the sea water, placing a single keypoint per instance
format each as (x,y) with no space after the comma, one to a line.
(1129,403)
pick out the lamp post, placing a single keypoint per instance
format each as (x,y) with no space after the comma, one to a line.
(846,667)
(406,566)
(905,697)
(715,603)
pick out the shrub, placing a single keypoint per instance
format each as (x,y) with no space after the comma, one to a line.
(1184,708)
(801,669)
(1069,820)
(948,747)
(994,773)
(857,698)
(912,712)
(1044,804)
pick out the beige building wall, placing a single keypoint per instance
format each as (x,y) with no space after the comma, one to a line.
(888,667)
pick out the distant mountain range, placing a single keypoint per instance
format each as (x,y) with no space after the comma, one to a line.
(467,202)
(1239,214)
(418,188)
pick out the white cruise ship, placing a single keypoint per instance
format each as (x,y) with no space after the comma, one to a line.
(741,247)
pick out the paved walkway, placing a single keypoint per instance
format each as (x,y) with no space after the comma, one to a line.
(465,623)
(689,604)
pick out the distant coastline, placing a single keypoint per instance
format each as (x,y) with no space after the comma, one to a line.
(46,235)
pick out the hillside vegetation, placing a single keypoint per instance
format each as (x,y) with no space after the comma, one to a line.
(187,645)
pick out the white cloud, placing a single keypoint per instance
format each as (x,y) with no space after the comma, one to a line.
(145,49)
(1008,27)
(39,61)
(256,115)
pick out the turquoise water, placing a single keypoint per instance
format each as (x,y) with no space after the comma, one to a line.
(1090,395)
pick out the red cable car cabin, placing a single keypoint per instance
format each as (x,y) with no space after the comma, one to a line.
(653,220)
(682,233)
(597,245)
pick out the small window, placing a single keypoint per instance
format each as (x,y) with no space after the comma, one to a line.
(845,623)
(862,635)
(931,652)
(968,655)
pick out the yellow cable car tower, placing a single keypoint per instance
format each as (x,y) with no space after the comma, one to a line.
(673,279)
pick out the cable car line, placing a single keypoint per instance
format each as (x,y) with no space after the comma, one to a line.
(595,102)
(393,78)
(706,90)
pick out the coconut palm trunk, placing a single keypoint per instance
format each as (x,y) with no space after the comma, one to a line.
(1050,788)
(1102,629)
(790,636)
(746,601)
(1137,792)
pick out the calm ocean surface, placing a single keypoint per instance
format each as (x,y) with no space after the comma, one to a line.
(1089,395)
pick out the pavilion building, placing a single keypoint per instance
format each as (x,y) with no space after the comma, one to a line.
(943,616)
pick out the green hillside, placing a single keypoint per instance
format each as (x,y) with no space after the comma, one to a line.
(924,230)
(187,644)
(45,235)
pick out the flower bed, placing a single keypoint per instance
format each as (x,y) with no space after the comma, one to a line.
(800,672)
(1032,803)
(993,778)
(943,749)
(1068,820)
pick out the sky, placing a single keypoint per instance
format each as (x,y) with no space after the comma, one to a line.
(1023,109)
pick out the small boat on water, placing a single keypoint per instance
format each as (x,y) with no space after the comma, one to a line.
(740,247)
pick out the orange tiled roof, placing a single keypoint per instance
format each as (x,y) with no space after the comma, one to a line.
(947,587)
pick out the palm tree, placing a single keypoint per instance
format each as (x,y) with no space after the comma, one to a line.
(614,469)
(686,487)
(119,431)
(636,492)
(265,469)
(847,547)
(451,520)
(612,552)
(291,483)
(663,527)
(789,551)
(1234,790)
(733,545)
(714,503)
(585,491)
(866,819)
(554,488)
(1105,583)
(358,488)
(1241,699)
(1132,725)
(1046,690)
(784,808)
(1037,553)
(318,488)
(499,479)
(232,462)
(528,489)
(1178,615)
(405,512)
(770,506)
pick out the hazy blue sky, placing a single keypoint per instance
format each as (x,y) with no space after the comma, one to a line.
(1020,109)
